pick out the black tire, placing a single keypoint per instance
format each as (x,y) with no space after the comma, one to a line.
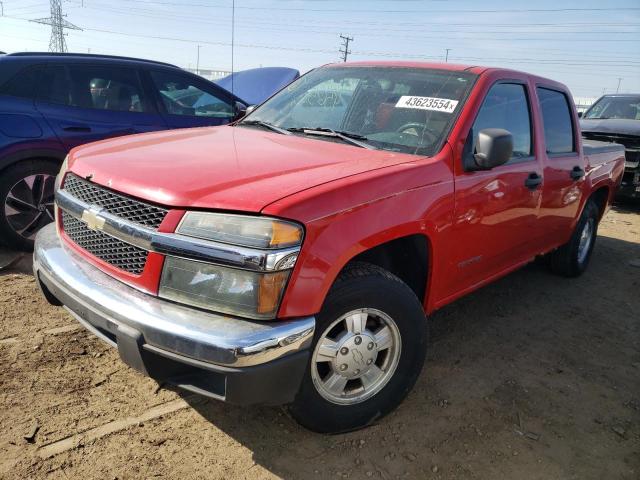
(364,285)
(14,178)
(567,260)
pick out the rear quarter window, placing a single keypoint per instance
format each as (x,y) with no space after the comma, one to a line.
(556,119)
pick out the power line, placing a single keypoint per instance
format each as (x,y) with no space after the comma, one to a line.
(345,50)
(550,62)
(376,30)
(377,34)
(458,10)
(58,24)
(484,60)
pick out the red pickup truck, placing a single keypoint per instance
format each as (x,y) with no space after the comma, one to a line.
(294,257)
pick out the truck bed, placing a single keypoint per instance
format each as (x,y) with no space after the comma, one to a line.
(598,153)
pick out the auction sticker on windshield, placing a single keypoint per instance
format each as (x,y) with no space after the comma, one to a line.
(427,103)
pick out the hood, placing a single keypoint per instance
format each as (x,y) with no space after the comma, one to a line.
(256,85)
(227,168)
(612,125)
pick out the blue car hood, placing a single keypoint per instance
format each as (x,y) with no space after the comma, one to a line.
(256,85)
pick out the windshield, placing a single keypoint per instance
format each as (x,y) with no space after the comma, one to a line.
(406,110)
(615,107)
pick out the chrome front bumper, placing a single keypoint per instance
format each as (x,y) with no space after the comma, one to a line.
(132,320)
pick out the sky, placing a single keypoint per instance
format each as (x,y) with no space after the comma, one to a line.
(590,45)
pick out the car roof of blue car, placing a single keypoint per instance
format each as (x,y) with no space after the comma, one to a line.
(11,63)
(48,56)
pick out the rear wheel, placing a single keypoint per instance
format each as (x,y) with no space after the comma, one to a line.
(572,259)
(26,201)
(368,351)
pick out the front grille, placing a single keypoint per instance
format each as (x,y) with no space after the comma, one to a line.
(113,251)
(115,203)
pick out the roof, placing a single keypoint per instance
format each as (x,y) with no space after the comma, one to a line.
(85,56)
(454,67)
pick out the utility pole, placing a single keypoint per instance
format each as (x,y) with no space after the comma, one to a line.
(198,62)
(345,43)
(58,23)
(446,55)
(619,81)
(1,9)
(233,38)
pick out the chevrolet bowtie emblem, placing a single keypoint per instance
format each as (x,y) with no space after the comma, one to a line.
(93,219)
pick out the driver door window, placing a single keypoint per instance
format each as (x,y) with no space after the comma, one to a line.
(506,106)
(183,96)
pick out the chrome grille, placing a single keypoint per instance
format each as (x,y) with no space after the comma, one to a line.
(115,203)
(113,251)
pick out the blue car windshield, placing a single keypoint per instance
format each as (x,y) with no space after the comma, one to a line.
(399,109)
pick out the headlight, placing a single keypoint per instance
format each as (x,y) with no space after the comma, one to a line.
(63,170)
(253,293)
(241,230)
(245,293)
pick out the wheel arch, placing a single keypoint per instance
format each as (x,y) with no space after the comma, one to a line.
(601,198)
(407,257)
(49,154)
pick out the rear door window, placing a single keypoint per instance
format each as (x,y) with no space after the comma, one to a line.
(506,106)
(556,118)
(107,88)
(22,84)
(53,86)
(94,87)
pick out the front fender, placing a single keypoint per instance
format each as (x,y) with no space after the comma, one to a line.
(332,240)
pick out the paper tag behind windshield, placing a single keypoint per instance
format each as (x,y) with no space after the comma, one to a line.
(427,103)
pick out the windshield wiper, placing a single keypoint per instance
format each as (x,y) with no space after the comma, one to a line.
(349,137)
(266,125)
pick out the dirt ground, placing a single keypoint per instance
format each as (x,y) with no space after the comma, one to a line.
(532,377)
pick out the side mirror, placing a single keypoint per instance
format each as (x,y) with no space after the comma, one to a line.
(240,110)
(494,148)
(580,114)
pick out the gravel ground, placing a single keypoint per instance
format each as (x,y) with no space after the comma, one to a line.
(532,377)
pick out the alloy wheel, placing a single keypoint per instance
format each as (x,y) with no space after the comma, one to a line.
(29,205)
(356,356)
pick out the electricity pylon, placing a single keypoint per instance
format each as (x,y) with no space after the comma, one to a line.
(58,23)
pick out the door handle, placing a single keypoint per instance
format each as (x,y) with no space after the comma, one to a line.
(76,128)
(577,173)
(533,181)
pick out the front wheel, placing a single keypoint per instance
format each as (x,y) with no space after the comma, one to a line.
(368,350)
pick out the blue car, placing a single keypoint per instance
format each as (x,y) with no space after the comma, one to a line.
(50,103)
